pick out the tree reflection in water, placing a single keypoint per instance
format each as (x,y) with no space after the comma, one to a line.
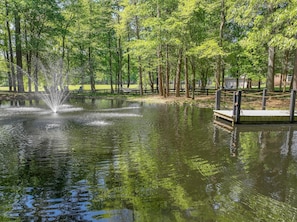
(149,163)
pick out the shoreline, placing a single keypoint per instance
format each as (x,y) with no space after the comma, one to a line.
(200,101)
(208,101)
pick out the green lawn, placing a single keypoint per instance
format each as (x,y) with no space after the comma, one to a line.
(85,87)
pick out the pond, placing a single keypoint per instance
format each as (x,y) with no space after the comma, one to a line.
(115,160)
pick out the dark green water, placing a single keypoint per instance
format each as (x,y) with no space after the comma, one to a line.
(121,161)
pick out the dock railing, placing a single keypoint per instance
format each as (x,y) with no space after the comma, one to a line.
(222,97)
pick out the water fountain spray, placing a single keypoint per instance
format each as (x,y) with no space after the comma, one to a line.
(55,88)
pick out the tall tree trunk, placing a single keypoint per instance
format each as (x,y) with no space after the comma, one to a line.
(29,62)
(223,21)
(91,71)
(6,55)
(204,77)
(140,76)
(271,58)
(178,73)
(18,46)
(128,69)
(218,72)
(29,59)
(193,67)
(159,55)
(120,84)
(139,59)
(36,69)
(294,78)
(63,58)
(270,72)
(82,62)
(160,72)
(68,63)
(186,77)
(8,71)
(151,78)
(167,71)
(11,60)
(128,62)
(110,62)
(220,63)
(285,71)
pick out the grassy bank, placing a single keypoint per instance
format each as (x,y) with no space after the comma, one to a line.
(250,100)
(86,87)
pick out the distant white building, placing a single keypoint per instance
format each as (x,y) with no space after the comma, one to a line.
(278,78)
(230,83)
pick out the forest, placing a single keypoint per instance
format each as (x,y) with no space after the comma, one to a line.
(151,43)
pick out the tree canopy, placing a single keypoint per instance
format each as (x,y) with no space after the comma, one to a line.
(156,44)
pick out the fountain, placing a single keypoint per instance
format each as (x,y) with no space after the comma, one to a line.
(55,90)
(54,97)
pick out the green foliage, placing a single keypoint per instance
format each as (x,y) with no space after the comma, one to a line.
(208,49)
(98,36)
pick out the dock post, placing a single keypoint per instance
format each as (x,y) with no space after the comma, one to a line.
(292,105)
(238,105)
(218,99)
(264,99)
(234,102)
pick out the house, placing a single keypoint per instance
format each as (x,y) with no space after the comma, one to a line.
(231,83)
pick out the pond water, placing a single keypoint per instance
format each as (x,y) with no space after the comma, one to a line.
(114,160)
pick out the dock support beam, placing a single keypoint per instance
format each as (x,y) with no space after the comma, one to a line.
(264,99)
(292,105)
(237,105)
(218,99)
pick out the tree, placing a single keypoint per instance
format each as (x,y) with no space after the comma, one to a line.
(9,56)
(268,24)
(152,41)
(19,59)
(40,33)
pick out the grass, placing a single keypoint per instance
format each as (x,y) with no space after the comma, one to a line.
(98,87)
(201,100)
(76,87)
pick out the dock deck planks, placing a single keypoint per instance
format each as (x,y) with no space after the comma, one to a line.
(254,116)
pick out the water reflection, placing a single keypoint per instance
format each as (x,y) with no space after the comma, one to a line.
(143,162)
(264,155)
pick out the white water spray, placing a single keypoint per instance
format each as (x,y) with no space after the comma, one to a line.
(55,90)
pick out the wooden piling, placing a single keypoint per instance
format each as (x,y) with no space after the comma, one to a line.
(264,99)
(292,105)
(234,102)
(218,99)
(238,105)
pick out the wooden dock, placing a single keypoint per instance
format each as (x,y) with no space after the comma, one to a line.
(238,115)
(254,116)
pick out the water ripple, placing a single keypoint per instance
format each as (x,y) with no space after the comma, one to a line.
(203,166)
(98,123)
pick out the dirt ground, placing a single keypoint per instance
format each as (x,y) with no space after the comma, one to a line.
(208,101)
